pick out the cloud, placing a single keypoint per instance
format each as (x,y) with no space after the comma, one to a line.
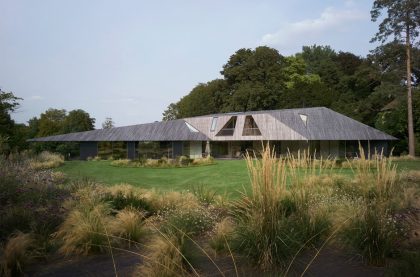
(313,31)
(36,97)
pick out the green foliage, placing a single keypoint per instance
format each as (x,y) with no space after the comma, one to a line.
(373,234)
(406,264)
(400,14)
(55,122)
(30,201)
(120,200)
(204,194)
(9,131)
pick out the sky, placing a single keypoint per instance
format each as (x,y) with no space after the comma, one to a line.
(129,60)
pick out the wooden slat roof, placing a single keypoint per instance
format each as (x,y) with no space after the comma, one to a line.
(322,124)
(174,130)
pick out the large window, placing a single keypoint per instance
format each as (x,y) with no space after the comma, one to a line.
(114,149)
(229,127)
(154,149)
(250,127)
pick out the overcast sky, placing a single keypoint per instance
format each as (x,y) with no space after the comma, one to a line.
(130,59)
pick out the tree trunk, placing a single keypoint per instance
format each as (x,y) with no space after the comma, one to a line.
(411,143)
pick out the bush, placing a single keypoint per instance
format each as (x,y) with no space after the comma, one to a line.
(18,252)
(407,264)
(30,201)
(84,229)
(184,160)
(121,163)
(123,196)
(46,160)
(273,223)
(190,222)
(168,257)
(203,194)
(128,224)
(203,161)
(223,232)
(372,234)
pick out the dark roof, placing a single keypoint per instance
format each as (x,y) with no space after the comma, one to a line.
(174,130)
(322,124)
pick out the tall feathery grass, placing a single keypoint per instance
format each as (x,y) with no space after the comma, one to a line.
(274,222)
(373,232)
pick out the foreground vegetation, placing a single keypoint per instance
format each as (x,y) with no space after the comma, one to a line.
(288,212)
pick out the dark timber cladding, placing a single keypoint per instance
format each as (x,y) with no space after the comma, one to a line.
(88,149)
(231,133)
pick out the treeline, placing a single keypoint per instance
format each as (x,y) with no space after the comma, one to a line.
(370,89)
(13,136)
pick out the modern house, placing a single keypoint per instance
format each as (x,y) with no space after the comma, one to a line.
(325,132)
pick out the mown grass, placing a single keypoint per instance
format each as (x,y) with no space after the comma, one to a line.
(226,176)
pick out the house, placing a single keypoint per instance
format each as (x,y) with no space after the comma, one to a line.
(321,130)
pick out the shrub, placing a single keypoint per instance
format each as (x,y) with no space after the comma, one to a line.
(203,194)
(30,201)
(190,222)
(407,264)
(223,232)
(124,195)
(272,223)
(372,234)
(95,159)
(84,229)
(46,160)
(18,252)
(184,160)
(58,177)
(152,163)
(203,161)
(168,257)
(128,224)
(121,163)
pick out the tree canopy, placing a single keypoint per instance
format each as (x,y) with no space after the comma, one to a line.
(367,89)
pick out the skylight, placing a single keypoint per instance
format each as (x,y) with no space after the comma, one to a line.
(213,124)
(304,118)
(192,129)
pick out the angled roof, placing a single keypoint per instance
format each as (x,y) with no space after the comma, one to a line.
(290,124)
(174,130)
(321,124)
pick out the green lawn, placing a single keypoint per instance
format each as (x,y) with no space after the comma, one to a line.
(228,176)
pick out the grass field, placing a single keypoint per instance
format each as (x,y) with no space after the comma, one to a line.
(226,176)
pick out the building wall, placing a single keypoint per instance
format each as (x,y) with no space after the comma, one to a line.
(88,149)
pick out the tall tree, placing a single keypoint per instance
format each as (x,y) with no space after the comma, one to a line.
(402,23)
(8,104)
(51,122)
(78,121)
(108,123)
(171,112)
